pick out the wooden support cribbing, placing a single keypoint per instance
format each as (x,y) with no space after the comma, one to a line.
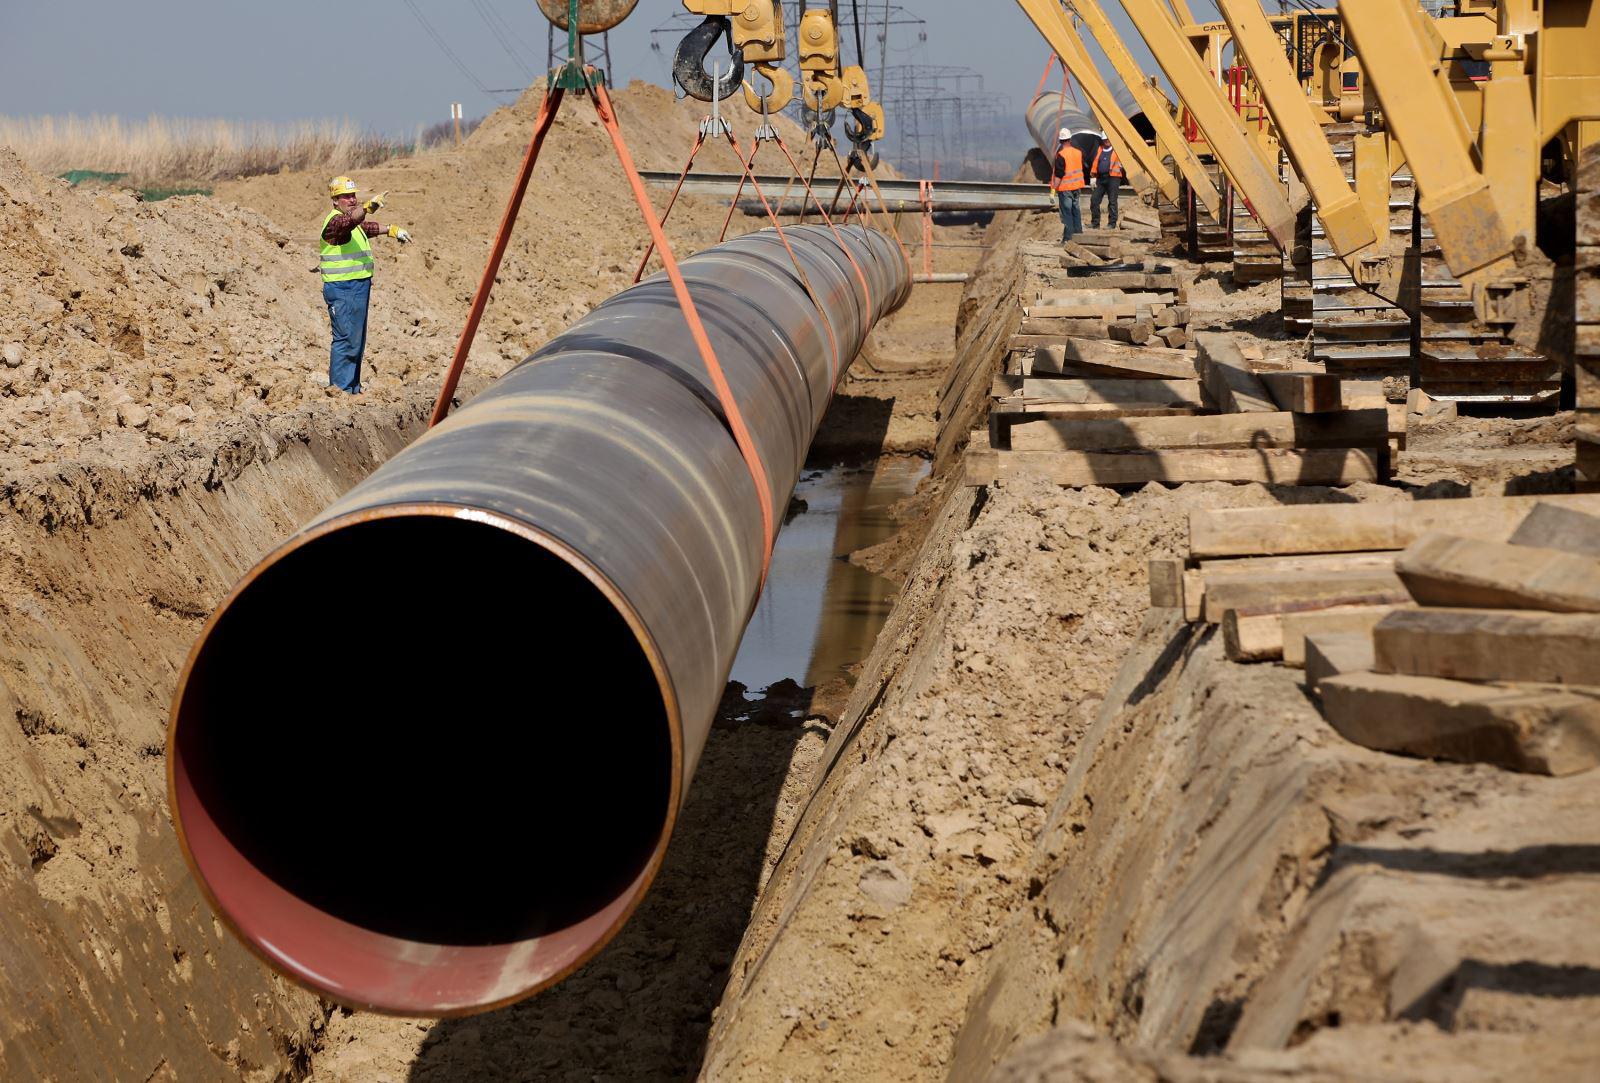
(1230,385)
(1115,359)
(1550,526)
(1330,654)
(1113,391)
(1443,569)
(1298,592)
(1299,628)
(1490,645)
(1351,428)
(1303,392)
(1329,466)
(1343,528)
(1543,729)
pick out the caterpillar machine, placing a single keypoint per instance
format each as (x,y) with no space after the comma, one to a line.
(1424,173)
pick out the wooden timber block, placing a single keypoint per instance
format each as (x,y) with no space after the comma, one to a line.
(1328,466)
(1163,392)
(1540,729)
(1092,296)
(1055,329)
(1107,310)
(1331,654)
(1303,392)
(1165,316)
(1175,337)
(1126,280)
(1078,252)
(1116,359)
(1298,592)
(1550,526)
(1194,595)
(1252,638)
(1444,569)
(1298,628)
(1033,342)
(1490,645)
(1136,332)
(1351,428)
(1166,583)
(1345,528)
(1230,385)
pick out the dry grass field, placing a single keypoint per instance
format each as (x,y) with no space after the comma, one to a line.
(175,151)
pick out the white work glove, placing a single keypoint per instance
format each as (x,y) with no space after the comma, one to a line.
(375,204)
(400,235)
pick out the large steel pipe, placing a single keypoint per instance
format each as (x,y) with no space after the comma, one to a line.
(1048,113)
(426,757)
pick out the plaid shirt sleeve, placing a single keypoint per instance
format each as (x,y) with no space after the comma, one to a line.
(340,226)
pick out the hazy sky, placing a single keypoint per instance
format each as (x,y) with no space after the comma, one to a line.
(374,62)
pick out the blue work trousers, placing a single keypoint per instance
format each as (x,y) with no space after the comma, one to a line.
(347,311)
(1071,215)
(1104,188)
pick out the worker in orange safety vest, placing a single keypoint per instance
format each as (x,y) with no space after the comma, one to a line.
(1107,173)
(1067,180)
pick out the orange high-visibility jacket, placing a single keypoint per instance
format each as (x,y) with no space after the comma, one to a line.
(1069,176)
(1116,163)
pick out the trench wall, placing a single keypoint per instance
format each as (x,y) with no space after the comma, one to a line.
(111,965)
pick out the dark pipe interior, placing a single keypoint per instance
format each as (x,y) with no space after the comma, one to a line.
(433,729)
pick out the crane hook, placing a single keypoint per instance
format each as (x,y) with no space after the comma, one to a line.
(688,64)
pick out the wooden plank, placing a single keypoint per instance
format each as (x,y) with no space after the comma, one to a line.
(1324,466)
(1339,562)
(1331,654)
(1194,596)
(1543,729)
(1338,528)
(1364,428)
(1090,311)
(1252,639)
(1443,569)
(1490,645)
(1120,392)
(1550,526)
(1230,385)
(1079,252)
(1303,392)
(1298,592)
(1089,295)
(1114,359)
(1298,628)
(1166,583)
(1124,280)
(1135,332)
(1091,328)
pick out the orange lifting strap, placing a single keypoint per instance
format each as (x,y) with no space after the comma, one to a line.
(608,119)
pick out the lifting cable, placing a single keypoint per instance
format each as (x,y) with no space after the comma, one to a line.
(699,142)
(708,356)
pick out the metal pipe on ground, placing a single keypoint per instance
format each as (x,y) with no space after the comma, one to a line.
(426,756)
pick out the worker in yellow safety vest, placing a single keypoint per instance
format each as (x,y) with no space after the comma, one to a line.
(1067,180)
(1107,173)
(346,267)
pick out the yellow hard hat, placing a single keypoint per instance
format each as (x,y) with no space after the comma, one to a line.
(341,186)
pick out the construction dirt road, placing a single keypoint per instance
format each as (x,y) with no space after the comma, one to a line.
(1044,830)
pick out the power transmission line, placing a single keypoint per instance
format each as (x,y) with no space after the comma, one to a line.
(444,47)
(483,13)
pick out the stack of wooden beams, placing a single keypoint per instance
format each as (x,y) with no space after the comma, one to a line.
(1091,411)
(1466,630)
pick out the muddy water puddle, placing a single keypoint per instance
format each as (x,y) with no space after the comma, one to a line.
(819,613)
